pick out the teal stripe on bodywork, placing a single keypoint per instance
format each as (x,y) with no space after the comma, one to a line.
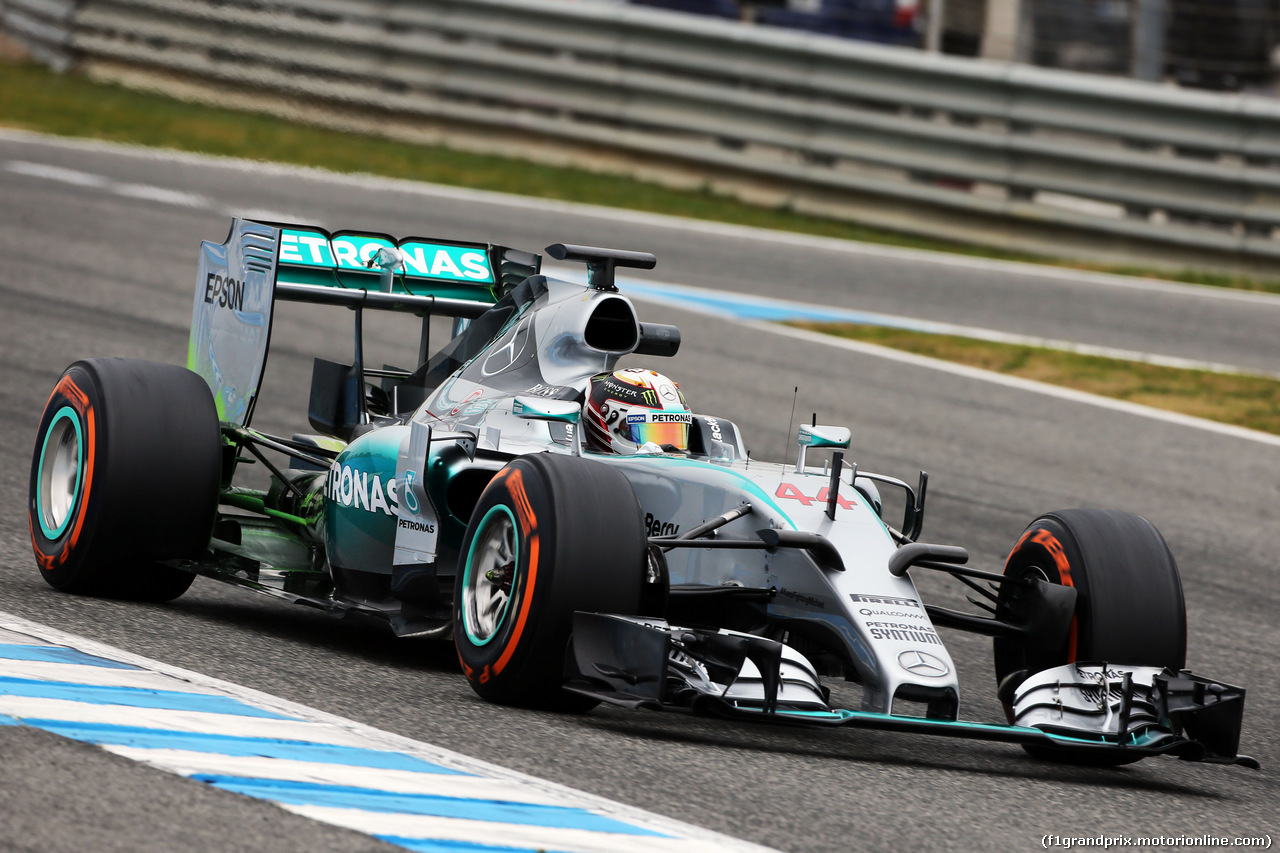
(840,715)
(852,716)
(748,484)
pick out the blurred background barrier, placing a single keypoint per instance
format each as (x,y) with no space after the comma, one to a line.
(995,153)
(42,27)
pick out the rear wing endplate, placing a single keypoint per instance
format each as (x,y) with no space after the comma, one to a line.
(240,280)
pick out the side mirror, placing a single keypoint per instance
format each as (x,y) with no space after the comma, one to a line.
(819,436)
(540,409)
(823,436)
(562,411)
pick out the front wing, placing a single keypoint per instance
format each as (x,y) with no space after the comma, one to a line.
(1104,708)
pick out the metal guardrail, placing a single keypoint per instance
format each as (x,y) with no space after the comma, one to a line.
(42,27)
(1001,153)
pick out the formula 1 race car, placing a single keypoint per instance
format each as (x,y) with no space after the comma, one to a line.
(468,497)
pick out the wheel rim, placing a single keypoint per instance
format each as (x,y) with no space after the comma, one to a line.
(60,467)
(1036,573)
(489,580)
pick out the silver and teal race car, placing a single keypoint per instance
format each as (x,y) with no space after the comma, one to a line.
(457,499)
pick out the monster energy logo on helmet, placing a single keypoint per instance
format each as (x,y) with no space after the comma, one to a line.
(633,409)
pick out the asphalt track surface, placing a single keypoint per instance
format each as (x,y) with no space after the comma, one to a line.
(93,267)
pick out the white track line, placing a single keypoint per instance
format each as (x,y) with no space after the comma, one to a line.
(655,220)
(143,192)
(701,226)
(712,303)
(1017,382)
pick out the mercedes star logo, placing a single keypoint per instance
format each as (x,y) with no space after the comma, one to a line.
(919,663)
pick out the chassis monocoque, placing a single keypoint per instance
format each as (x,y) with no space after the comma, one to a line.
(455,499)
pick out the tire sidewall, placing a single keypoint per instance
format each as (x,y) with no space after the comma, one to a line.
(581,546)
(150,473)
(501,664)
(61,558)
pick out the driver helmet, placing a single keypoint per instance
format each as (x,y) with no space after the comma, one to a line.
(633,410)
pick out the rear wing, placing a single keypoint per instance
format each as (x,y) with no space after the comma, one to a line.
(240,280)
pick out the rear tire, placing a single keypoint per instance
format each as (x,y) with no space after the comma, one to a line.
(1129,603)
(125,474)
(550,535)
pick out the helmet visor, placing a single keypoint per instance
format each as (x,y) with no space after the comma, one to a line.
(665,429)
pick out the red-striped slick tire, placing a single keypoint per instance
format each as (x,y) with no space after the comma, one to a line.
(124,474)
(1129,603)
(551,534)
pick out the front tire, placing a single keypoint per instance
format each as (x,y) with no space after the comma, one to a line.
(1129,603)
(551,535)
(124,475)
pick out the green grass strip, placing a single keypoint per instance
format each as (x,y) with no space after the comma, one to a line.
(34,98)
(1238,399)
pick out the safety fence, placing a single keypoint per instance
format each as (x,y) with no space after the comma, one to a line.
(43,27)
(996,153)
